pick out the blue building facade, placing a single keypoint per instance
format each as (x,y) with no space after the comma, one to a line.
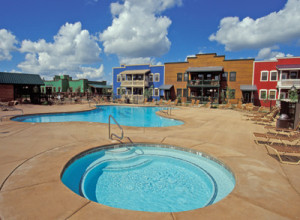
(138,81)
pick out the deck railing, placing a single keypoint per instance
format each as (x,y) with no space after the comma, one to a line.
(203,83)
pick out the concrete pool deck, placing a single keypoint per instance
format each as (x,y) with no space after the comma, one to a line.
(33,155)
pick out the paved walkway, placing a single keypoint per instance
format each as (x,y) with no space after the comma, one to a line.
(32,157)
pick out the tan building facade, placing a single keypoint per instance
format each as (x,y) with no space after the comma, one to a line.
(207,77)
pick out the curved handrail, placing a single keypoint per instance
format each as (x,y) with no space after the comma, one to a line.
(113,134)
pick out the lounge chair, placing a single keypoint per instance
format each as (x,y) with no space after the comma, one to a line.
(192,103)
(282,131)
(160,102)
(260,138)
(9,106)
(285,157)
(197,103)
(175,102)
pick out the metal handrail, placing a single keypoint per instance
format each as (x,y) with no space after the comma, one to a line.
(15,109)
(113,134)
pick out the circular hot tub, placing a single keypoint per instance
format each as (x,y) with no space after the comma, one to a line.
(148,177)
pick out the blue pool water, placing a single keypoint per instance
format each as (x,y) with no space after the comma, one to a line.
(125,115)
(148,177)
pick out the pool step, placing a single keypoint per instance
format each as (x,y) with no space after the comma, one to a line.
(126,164)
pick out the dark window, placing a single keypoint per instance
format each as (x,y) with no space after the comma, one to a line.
(179,77)
(186,77)
(224,76)
(232,76)
(179,92)
(150,78)
(185,93)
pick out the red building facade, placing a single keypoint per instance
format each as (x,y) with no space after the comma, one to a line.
(274,79)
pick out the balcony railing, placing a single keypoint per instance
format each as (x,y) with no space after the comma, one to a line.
(203,83)
(203,99)
(137,83)
(288,83)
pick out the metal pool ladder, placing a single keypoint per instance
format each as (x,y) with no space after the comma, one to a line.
(111,135)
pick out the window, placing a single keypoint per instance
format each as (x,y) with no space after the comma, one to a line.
(263,94)
(123,77)
(186,77)
(273,76)
(151,77)
(284,76)
(264,76)
(118,78)
(282,95)
(179,92)
(156,92)
(232,76)
(185,93)
(293,75)
(179,77)
(118,91)
(156,77)
(272,94)
(224,76)
(42,89)
(53,89)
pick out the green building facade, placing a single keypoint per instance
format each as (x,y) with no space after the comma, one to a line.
(65,83)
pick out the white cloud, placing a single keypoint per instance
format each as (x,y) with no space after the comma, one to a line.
(71,49)
(91,73)
(277,27)
(7,44)
(138,31)
(268,54)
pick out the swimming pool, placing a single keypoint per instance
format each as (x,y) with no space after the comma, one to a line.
(148,177)
(125,115)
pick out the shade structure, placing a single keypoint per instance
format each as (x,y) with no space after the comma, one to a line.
(205,69)
(248,88)
(165,87)
(136,71)
(100,86)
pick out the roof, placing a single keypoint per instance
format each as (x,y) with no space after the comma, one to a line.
(248,88)
(135,71)
(205,69)
(165,87)
(288,66)
(98,86)
(20,78)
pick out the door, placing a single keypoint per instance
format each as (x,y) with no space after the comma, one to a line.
(167,94)
(246,97)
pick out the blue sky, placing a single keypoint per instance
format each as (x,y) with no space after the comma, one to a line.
(87,38)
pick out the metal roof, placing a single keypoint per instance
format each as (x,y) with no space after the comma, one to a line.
(165,87)
(248,88)
(205,69)
(288,66)
(20,79)
(100,86)
(135,71)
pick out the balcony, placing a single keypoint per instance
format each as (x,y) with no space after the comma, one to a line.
(203,83)
(134,83)
(203,99)
(288,83)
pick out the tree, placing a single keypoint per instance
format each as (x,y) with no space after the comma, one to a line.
(293,95)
